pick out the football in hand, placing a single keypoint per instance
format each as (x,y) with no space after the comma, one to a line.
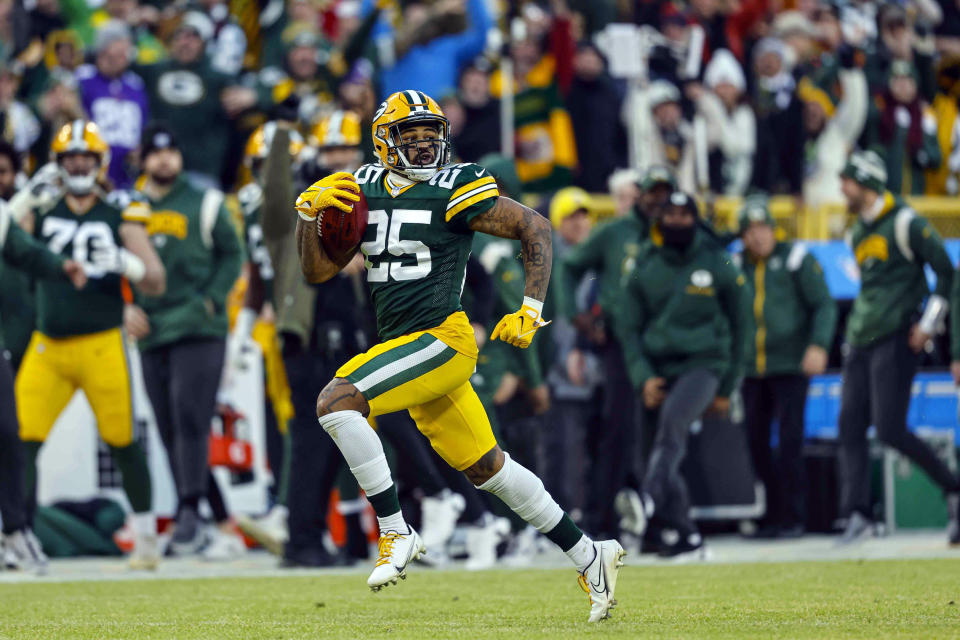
(340,232)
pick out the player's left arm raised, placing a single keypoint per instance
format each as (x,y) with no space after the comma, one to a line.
(509,219)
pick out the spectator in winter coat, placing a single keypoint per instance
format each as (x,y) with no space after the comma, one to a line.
(594,106)
(668,141)
(905,128)
(115,98)
(480,133)
(778,164)
(731,126)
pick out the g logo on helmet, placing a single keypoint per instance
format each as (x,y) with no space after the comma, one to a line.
(701,278)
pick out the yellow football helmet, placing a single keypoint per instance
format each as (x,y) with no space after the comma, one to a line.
(405,108)
(258,144)
(339,129)
(81,136)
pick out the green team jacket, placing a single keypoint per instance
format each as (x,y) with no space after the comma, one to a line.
(196,240)
(683,311)
(792,309)
(611,251)
(18,249)
(891,252)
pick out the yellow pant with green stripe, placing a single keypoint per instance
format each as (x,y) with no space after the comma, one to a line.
(54,368)
(428,374)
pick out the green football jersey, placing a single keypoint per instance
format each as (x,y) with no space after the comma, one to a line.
(417,243)
(63,311)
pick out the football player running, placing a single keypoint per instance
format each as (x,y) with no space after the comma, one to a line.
(79,343)
(423,213)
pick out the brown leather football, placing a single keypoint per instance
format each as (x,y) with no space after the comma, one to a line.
(340,232)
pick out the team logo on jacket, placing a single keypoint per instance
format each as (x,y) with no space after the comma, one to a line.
(701,278)
(180,88)
(873,247)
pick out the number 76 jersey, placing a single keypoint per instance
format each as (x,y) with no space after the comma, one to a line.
(417,243)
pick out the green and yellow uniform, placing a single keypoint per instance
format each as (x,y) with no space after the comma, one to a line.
(891,252)
(416,247)
(78,343)
(792,309)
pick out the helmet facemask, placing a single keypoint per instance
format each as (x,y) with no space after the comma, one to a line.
(398,151)
(79,184)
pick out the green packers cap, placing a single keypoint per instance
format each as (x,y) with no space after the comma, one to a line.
(867,169)
(754,209)
(657,174)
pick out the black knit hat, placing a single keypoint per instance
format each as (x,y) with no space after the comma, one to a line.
(155,138)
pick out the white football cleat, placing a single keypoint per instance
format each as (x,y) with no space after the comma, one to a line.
(24,552)
(223,545)
(396,551)
(439,519)
(146,553)
(599,579)
(483,540)
(269,530)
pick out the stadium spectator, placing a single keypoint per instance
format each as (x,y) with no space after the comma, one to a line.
(610,251)
(624,187)
(778,166)
(574,378)
(441,36)
(115,98)
(669,140)
(185,96)
(731,126)
(794,318)
(227,44)
(140,18)
(594,104)
(682,322)
(892,244)
(902,125)
(20,126)
(480,133)
(831,127)
(181,333)
(898,40)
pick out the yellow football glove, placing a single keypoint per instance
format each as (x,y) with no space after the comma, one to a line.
(518,328)
(328,192)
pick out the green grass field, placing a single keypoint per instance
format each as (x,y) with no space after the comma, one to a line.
(917,598)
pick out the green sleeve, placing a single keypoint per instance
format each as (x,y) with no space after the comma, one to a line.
(586,255)
(928,248)
(628,327)
(822,307)
(30,255)
(930,157)
(736,303)
(228,259)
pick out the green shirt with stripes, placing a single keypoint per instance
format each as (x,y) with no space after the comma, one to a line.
(417,242)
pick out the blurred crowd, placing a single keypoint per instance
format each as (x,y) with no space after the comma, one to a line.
(258,99)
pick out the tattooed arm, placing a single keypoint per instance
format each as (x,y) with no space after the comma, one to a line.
(316,265)
(510,219)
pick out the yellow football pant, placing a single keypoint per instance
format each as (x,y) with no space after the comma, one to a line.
(54,368)
(421,373)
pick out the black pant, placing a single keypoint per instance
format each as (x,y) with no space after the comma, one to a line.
(11,455)
(782,397)
(182,381)
(688,397)
(617,459)
(314,458)
(876,384)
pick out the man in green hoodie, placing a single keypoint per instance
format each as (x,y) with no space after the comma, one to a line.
(885,331)
(182,333)
(682,322)
(794,318)
(611,252)
(17,249)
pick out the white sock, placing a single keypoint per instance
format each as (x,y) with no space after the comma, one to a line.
(361,448)
(582,553)
(523,492)
(144,524)
(393,522)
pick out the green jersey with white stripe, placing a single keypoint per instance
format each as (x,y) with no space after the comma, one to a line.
(417,242)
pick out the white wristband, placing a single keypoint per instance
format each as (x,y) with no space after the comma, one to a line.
(533,304)
(133,267)
(246,318)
